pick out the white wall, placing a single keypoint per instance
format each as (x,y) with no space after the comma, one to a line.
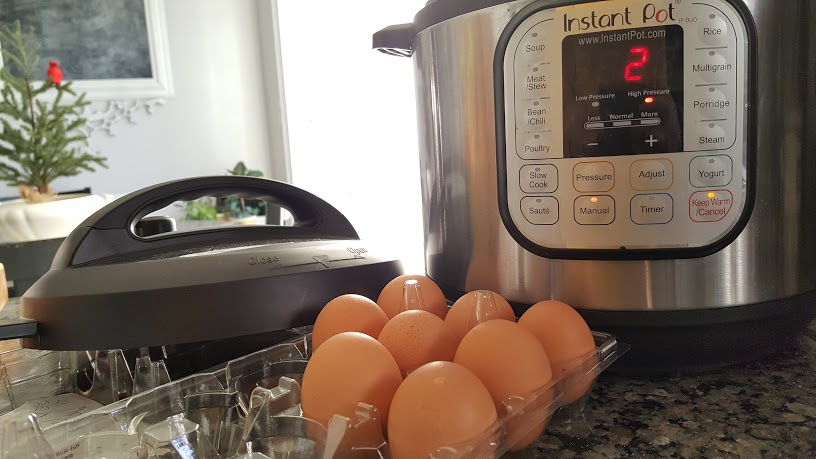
(216,117)
(352,118)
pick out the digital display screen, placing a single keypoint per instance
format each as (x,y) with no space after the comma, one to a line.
(623,92)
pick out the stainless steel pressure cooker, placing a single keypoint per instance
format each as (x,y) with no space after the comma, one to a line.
(651,163)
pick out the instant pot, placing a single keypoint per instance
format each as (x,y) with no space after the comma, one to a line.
(651,163)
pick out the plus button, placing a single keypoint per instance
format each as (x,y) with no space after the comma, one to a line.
(652,141)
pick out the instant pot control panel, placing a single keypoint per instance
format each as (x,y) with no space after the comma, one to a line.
(624,127)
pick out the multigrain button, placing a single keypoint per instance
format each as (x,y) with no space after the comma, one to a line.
(651,174)
(594,210)
(539,178)
(591,177)
(652,209)
(712,67)
(710,206)
(711,171)
(540,210)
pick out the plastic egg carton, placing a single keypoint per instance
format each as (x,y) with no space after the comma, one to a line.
(251,409)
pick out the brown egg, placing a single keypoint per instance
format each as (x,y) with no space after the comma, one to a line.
(510,362)
(439,404)
(566,338)
(348,313)
(474,308)
(349,368)
(417,337)
(432,299)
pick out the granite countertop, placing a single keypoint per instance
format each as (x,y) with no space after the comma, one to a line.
(763,409)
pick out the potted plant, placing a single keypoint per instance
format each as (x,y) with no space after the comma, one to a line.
(240,210)
(40,141)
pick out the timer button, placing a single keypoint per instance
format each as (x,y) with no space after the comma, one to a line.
(714,29)
(651,209)
(713,104)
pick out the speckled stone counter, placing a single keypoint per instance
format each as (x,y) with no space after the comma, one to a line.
(761,409)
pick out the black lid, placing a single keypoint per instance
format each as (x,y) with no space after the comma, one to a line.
(397,39)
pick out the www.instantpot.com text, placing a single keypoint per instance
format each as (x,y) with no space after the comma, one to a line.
(622,36)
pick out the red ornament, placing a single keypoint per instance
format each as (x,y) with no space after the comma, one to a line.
(54,72)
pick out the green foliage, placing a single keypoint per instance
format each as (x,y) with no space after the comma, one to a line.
(39,136)
(236,207)
(199,210)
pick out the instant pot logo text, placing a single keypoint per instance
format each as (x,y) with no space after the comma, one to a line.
(651,14)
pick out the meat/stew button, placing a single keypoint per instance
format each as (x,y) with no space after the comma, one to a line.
(710,206)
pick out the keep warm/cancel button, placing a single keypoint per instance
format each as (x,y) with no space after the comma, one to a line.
(710,206)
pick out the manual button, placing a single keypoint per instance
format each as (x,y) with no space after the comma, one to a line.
(594,210)
(540,210)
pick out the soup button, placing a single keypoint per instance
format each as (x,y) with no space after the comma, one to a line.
(540,210)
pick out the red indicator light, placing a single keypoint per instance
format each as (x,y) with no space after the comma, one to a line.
(649,100)
(594,200)
(640,59)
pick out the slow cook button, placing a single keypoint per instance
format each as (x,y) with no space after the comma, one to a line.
(594,210)
(593,177)
(539,178)
(651,174)
(711,171)
(710,206)
(540,210)
(652,209)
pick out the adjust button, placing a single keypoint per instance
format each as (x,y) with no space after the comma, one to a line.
(711,171)
(539,178)
(593,176)
(652,209)
(540,210)
(651,174)
(594,210)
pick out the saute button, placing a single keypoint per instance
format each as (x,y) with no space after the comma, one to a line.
(539,178)
(540,210)
(593,176)
(651,174)
(710,206)
(713,30)
(652,209)
(594,210)
(711,171)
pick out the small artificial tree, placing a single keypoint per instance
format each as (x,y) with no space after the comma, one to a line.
(40,138)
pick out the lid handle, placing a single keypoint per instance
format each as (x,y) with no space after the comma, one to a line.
(111,232)
(395,40)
